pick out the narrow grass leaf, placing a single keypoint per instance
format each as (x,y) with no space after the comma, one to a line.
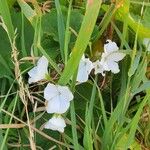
(67,33)
(5,13)
(27,11)
(61,27)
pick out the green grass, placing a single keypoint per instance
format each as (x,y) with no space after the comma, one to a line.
(108,113)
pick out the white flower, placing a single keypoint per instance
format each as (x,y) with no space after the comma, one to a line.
(56,124)
(85,67)
(146,43)
(58,98)
(98,68)
(38,72)
(111,57)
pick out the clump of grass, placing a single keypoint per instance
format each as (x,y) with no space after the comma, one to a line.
(107,112)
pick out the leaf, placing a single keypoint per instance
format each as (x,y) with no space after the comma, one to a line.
(61,27)
(146,17)
(27,11)
(5,13)
(11,3)
(50,46)
(133,21)
(49,23)
(133,146)
(5,55)
(135,64)
(143,87)
(28,36)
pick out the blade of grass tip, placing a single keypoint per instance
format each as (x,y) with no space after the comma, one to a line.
(24,52)
(67,33)
(61,28)
(82,41)
(7,131)
(5,13)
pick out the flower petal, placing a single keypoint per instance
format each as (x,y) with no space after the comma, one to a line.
(110,47)
(82,75)
(65,93)
(56,124)
(50,92)
(57,105)
(42,65)
(116,56)
(38,72)
(89,65)
(113,66)
(84,70)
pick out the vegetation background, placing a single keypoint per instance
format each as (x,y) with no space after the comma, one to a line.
(107,113)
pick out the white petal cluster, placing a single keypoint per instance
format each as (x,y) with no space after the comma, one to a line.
(58,101)
(109,62)
(58,98)
(85,67)
(111,57)
(56,123)
(38,72)
(146,43)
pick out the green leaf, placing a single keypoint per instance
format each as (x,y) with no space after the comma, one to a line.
(49,23)
(61,27)
(133,146)
(5,55)
(27,11)
(5,13)
(133,21)
(143,87)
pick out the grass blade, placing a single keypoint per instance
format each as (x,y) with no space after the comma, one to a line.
(4,10)
(61,27)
